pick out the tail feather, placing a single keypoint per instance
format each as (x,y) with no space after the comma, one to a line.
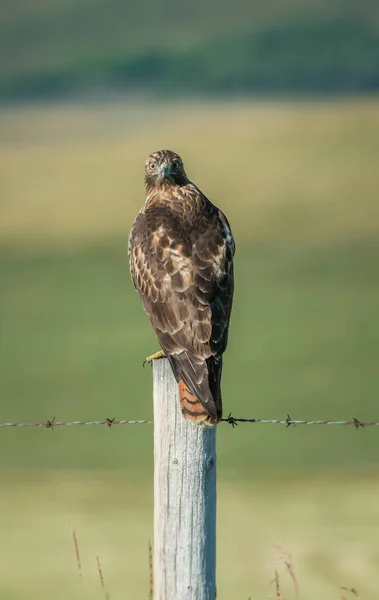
(191,406)
(215,372)
(199,388)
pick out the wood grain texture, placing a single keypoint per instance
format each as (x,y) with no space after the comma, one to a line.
(184,497)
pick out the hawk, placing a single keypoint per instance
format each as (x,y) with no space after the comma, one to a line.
(181,252)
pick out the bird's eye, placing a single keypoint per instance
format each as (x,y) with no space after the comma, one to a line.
(152,166)
(175,165)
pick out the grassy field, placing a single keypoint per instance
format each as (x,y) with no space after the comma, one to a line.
(329,527)
(299,183)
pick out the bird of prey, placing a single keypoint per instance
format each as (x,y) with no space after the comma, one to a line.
(181,252)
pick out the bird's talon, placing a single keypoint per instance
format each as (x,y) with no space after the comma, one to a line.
(149,359)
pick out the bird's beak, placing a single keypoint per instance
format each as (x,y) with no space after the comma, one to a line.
(164,170)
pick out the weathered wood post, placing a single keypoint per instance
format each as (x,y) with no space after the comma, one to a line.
(184,498)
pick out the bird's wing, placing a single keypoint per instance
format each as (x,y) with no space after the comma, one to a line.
(183,271)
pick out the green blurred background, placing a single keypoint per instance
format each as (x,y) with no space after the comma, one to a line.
(274,110)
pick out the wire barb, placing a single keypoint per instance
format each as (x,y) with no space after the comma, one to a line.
(231,420)
(289,421)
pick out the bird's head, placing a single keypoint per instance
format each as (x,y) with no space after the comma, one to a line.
(164,168)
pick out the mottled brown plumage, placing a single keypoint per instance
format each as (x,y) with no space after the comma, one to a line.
(181,261)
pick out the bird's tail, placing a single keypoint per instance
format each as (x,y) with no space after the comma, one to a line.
(199,388)
(200,409)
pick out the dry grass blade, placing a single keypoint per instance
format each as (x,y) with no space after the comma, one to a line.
(151,576)
(286,559)
(278,593)
(351,590)
(291,572)
(76,546)
(106,595)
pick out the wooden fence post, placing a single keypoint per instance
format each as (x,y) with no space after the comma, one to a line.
(184,497)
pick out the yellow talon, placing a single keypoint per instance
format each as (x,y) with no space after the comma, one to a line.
(155,356)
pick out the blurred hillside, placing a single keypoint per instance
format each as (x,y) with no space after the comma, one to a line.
(64,47)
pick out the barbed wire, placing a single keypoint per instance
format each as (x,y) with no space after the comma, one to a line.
(233,421)
(288,421)
(50,424)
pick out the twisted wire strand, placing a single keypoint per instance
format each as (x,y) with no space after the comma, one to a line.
(50,424)
(288,421)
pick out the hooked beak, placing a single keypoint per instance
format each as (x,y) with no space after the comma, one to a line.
(164,171)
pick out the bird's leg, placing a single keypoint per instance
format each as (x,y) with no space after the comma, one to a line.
(155,356)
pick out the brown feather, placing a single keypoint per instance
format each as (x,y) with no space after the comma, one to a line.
(192,408)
